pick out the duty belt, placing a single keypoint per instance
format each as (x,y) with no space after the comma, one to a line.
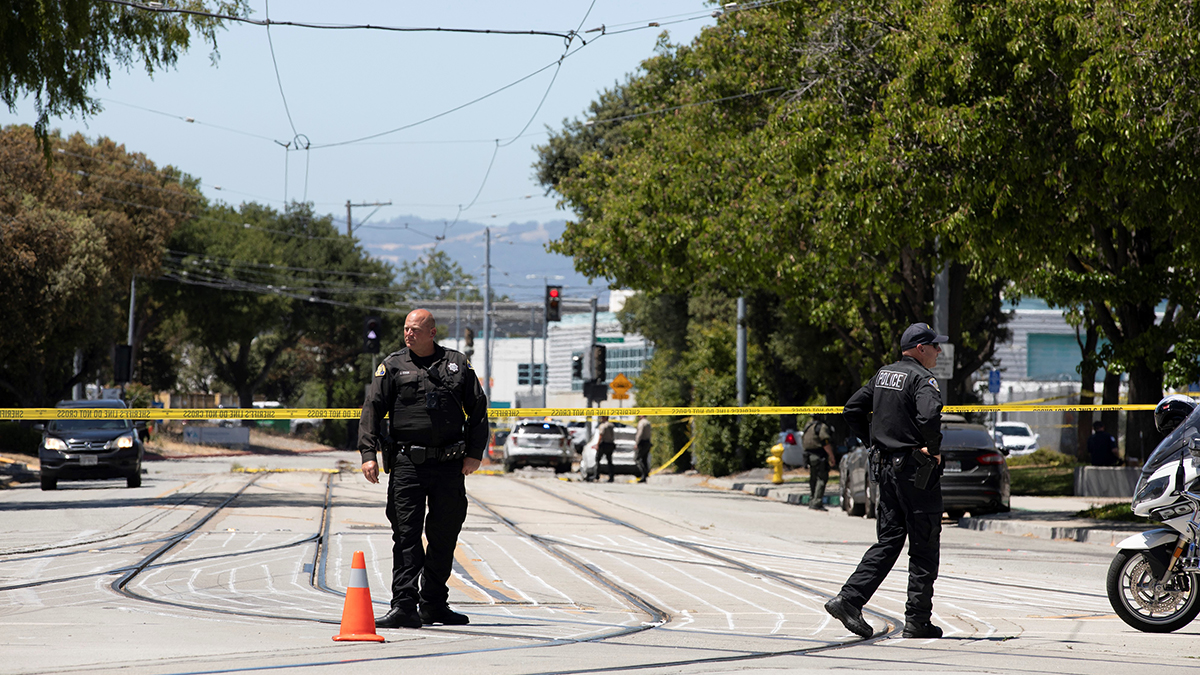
(419,454)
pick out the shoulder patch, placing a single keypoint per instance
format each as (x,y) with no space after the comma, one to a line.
(381,370)
(933,383)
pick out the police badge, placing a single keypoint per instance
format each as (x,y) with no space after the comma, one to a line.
(453,367)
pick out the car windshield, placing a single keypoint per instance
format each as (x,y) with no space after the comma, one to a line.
(966,438)
(1011,430)
(1172,447)
(89,425)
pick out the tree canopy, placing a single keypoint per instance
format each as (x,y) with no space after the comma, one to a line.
(56,51)
(832,158)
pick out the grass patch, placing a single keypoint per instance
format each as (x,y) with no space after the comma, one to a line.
(1043,457)
(1122,512)
(1042,481)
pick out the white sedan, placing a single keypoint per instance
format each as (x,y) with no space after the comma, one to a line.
(624,457)
(1016,437)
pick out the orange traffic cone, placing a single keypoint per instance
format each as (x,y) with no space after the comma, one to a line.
(358,622)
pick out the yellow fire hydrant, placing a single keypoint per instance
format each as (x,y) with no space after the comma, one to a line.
(776,461)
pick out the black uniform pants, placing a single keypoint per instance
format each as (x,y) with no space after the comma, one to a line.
(441,486)
(643,460)
(604,450)
(818,476)
(903,512)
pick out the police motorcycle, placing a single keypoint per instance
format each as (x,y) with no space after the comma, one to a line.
(1154,581)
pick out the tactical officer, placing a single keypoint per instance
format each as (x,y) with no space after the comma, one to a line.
(906,438)
(817,441)
(438,424)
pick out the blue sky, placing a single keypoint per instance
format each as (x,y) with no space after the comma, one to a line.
(343,85)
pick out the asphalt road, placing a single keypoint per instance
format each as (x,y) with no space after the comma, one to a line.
(206,570)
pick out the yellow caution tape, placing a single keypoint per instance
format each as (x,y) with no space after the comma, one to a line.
(205,414)
(672,460)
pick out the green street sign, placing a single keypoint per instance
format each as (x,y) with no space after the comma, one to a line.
(610,340)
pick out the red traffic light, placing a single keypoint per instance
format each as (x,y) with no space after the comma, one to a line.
(553,292)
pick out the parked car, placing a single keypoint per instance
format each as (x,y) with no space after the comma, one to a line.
(793,452)
(85,449)
(1016,438)
(579,434)
(545,443)
(974,475)
(624,457)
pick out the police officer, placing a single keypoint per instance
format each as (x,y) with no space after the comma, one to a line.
(817,441)
(906,435)
(439,431)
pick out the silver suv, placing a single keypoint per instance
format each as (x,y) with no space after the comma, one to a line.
(539,444)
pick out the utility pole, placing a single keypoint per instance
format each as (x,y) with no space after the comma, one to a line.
(742,394)
(349,228)
(545,362)
(487,314)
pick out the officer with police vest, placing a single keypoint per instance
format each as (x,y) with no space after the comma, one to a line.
(439,430)
(900,411)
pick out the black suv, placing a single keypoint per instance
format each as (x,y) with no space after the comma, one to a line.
(82,449)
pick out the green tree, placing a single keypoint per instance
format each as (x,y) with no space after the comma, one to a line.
(264,291)
(436,277)
(72,237)
(57,51)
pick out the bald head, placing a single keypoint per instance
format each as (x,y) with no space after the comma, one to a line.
(420,332)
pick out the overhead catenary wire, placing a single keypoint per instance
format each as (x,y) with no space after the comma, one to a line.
(268,22)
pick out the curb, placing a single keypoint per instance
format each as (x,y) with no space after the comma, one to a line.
(1008,526)
(1083,534)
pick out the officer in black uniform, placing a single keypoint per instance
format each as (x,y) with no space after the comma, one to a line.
(438,434)
(906,436)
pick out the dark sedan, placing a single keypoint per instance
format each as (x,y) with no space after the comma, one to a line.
(974,475)
(84,449)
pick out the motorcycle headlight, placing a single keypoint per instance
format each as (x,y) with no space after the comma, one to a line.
(56,444)
(122,442)
(1153,489)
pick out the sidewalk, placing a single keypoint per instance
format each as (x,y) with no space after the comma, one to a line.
(1037,517)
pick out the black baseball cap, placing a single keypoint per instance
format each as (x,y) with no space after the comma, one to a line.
(920,334)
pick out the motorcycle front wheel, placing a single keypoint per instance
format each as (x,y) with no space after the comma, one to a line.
(1142,601)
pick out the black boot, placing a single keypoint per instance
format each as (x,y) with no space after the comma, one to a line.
(850,616)
(921,629)
(431,614)
(399,618)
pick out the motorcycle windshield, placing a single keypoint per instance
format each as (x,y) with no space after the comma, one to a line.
(1172,447)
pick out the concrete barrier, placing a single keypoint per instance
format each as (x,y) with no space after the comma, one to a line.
(228,437)
(1106,481)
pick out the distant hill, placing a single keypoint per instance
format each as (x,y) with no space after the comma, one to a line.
(518,250)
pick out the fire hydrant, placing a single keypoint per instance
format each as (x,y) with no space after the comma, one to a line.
(776,461)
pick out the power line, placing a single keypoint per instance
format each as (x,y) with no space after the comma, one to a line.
(156,7)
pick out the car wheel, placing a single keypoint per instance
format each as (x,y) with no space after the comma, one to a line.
(508,467)
(49,482)
(133,480)
(562,468)
(850,505)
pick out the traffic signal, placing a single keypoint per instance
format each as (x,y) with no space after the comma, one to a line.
(371,335)
(599,356)
(123,364)
(554,303)
(577,366)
